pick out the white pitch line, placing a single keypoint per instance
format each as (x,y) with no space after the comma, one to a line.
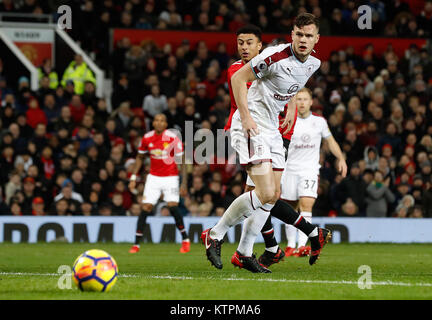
(167,277)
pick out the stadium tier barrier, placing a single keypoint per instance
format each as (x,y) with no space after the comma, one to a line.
(323,48)
(162,229)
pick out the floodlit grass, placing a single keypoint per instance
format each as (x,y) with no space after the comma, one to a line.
(160,272)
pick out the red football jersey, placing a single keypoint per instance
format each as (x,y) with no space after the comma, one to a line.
(281,120)
(233,69)
(162,148)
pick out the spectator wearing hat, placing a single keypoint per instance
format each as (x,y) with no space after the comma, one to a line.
(379,196)
(188,23)
(371,157)
(73,198)
(38,206)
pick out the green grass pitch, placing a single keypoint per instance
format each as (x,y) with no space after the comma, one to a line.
(159,272)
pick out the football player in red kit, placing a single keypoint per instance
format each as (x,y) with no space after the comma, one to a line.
(164,148)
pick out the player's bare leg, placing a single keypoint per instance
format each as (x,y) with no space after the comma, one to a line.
(253,225)
(145,212)
(241,208)
(173,208)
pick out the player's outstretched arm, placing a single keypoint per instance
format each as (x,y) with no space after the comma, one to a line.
(337,152)
(138,163)
(239,87)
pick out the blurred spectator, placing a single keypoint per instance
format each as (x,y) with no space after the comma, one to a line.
(38,207)
(155,102)
(349,209)
(379,196)
(377,105)
(78,72)
(353,187)
(47,69)
(404,205)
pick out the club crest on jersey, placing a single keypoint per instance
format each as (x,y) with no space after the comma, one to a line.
(293,88)
(259,150)
(262,66)
(150,145)
(165,145)
(306,138)
(309,71)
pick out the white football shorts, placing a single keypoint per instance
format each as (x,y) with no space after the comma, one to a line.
(155,186)
(294,186)
(266,146)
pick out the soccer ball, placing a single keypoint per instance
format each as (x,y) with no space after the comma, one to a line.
(95,270)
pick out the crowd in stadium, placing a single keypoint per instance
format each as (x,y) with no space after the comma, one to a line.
(63,153)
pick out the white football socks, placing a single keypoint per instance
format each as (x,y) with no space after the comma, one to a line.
(241,208)
(252,227)
(302,238)
(291,234)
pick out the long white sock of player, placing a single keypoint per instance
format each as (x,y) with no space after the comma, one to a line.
(291,234)
(241,208)
(252,227)
(302,237)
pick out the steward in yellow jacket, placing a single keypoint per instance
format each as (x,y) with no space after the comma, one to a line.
(46,69)
(79,73)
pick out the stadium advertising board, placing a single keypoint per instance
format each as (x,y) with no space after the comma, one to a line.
(162,229)
(36,44)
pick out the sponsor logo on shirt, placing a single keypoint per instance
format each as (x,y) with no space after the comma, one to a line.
(282,98)
(304,146)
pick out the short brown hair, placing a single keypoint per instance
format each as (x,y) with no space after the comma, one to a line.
(305,19)
(304,89)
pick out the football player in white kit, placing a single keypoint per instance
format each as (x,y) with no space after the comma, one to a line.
(279,72)
(301,176)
